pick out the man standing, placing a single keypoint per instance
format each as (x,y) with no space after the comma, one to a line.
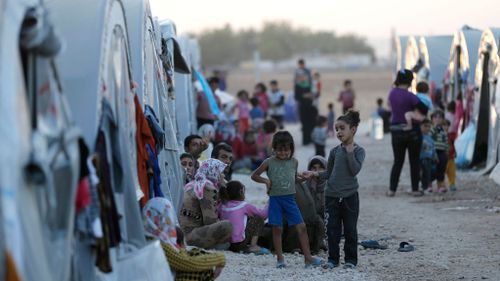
(304,97)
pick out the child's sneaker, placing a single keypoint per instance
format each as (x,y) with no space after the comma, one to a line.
(453,188)
(349,265)
(280,264)
(428,190)
(331,264)
(442,190)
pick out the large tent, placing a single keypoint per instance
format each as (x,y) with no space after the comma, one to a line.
(152,88)
(97,77)
(435,52)
(39,146)
(412,59)
(400,44)
(486,106)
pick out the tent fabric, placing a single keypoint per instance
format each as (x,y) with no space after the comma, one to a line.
(437,50)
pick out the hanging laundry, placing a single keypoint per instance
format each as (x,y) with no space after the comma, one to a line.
(143,136)
(155,182)
(156,129)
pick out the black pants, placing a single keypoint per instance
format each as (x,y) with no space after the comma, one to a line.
(320,149)
(342,212)
(402,141)
(308,114)
(425,168)
(441,165)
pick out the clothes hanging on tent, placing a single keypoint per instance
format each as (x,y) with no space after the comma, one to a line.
(11,273)
(143,136)
(156,129)
(155,180)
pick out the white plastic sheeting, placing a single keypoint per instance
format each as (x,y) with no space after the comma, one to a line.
(435,53)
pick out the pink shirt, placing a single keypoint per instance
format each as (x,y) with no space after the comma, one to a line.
(237,213)
(243,109)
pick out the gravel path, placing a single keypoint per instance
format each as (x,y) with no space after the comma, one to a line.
(456,236)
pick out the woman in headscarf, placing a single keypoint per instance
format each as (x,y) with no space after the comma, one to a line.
(198,217)
(159,222)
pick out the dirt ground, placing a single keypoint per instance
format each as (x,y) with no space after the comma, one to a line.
(456,235)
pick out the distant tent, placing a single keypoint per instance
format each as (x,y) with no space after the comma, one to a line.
(400,47)
(412,59)
(486,106)
(435,53)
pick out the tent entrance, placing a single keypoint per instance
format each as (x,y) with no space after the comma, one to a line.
(483,120)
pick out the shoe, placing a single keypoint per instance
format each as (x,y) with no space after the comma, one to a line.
(390,193)
(280,264)
(331,264)
(453,188)
(442,190)
(262,251)
(428,190)
(349,265)
(314,263)
(417,193)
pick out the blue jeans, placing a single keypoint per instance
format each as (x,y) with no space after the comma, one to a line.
(426,172)
(342,212)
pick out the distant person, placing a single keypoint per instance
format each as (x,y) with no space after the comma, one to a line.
(188,163)
(281,170)
(421,110)
(319,135)
(222,79)
(451,168)
(403,101)
(256,112)
(331,120)
(440,137)
(304,97)
(276,103)
(247,220)
(243,111)
(260,92)
(195,145)
(204,113)
(428,155)
(224,153)
(316,88)
(385,114)
(347,96)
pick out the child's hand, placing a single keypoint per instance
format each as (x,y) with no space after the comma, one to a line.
(350,147)
(268,186)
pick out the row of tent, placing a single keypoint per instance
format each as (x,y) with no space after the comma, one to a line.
(72,73)
(464,65)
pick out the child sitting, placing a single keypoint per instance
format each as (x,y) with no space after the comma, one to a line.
(187,162)
(421,109)
(317,185)
(245,152)
(246,219)
(319,135)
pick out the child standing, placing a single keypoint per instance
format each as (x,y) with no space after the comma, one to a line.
(243,111)
(246,219)
(331,119)
(341,194)
(440,137)
(282,173)
(427,155)
(452,122)
(347,97)
(319,135)
(316,88)
(276,103)
(256,112)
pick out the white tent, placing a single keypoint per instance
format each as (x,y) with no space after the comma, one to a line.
(148,70)
(39,166)
(485,103)
(400,44)
(95,68)
(435,52)
(412,58)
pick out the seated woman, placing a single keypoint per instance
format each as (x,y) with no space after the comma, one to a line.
(198,217)
(159,216)
(246,219)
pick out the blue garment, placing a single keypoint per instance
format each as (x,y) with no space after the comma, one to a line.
(428,150)
(426,100)
(284,204)
(256,112)
(154,185)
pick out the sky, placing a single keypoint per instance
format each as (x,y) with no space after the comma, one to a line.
(373,19)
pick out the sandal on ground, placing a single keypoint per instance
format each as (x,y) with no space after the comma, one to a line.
(261,251)
(280,264)
(390,193)
(349,265)
(314,263)
(372,244)
(405,247)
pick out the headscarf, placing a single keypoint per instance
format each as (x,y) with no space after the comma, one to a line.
(208,173)
(159,220)
(317,185)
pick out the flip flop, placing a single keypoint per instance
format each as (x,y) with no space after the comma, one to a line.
(314,263)
(405,247)
(372,244)
(262,251)
(280,264)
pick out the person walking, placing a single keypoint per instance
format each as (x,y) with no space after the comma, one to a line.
(304,97)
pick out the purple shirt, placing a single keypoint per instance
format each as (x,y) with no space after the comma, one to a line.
(401,101)
(237,212)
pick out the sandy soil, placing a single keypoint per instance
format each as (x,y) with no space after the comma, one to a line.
(456,236)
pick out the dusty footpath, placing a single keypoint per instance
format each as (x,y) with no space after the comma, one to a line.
(456,235)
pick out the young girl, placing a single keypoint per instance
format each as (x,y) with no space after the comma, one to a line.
(440,137)
(341,194)
(243,111)
(282,173)
(246,219)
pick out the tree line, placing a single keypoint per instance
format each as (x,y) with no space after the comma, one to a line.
(275,41)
